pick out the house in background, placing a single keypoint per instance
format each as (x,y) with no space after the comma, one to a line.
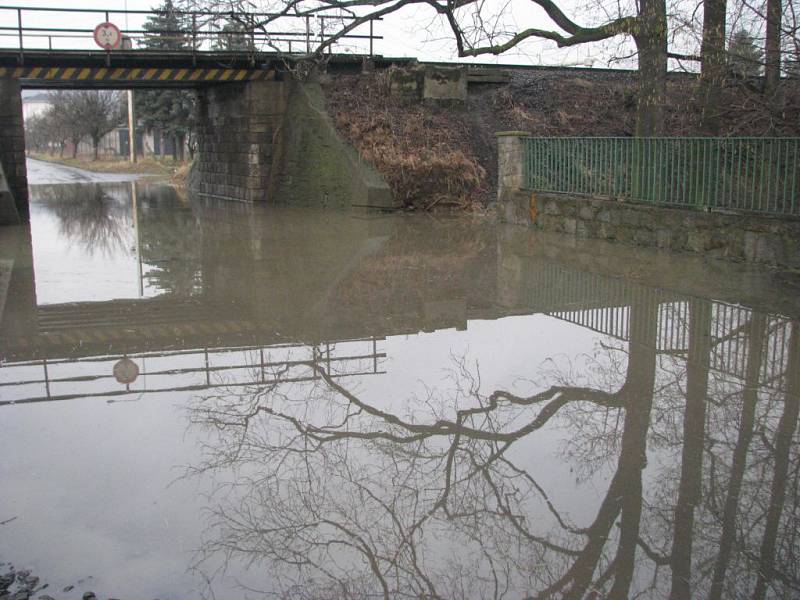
(35,105)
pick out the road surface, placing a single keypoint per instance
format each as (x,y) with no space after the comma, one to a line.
(42,172)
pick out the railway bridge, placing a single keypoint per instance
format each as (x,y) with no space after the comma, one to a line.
(241,65)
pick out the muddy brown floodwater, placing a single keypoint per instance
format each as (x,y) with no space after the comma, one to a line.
(220,400)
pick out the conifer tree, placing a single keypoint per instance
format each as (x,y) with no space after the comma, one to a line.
(170,112)
(745,58)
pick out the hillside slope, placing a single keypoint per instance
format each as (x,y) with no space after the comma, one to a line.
(444,156)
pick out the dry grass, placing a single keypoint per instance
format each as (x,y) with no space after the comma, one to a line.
(422,151)
(181,173)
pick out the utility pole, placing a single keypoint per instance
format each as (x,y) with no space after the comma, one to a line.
(131,115)
(131,127)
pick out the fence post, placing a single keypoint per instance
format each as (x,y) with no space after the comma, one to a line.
(194,40)
(514,202)
(21,44)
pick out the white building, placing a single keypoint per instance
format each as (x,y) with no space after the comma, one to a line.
(35,105)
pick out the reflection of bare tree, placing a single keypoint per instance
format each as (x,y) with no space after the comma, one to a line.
(690,487)
(357,499)
(747,519)
(90,216)
(362,496)
(745,435)
(782,448)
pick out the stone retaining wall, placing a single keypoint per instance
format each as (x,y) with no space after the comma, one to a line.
(744,237)
(754,238)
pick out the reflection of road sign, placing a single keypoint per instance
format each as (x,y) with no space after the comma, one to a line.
(126,371)
(107,36)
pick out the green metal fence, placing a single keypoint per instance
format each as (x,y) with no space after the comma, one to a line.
(740,174)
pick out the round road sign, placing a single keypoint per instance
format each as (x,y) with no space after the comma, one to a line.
(126,371)
(107,36)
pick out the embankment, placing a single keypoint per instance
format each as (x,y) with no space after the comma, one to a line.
(438,153)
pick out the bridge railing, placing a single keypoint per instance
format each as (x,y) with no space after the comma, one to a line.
(28,29)
(739,174)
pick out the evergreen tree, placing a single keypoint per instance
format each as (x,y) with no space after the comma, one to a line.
(170,112)
(745,58)
(167,29)
(232,38)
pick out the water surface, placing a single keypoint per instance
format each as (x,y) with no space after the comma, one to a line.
(357,405)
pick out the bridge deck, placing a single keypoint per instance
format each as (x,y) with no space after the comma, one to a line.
(76,69)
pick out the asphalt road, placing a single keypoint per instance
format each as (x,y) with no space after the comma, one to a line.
(41,172)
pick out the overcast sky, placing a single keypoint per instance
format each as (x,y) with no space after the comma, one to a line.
(411,32)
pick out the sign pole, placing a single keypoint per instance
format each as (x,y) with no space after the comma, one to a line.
(131,128)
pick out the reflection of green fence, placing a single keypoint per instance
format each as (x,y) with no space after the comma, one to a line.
(747,174)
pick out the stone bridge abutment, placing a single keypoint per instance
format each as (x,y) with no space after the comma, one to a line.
(14,201)
(238,140)
(274,141)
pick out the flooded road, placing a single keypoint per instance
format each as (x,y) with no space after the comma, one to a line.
(219,400)
(43,172)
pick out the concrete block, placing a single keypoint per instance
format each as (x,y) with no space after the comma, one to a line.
(445,84)
(405,83)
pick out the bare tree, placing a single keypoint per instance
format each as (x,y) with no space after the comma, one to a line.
(477,33)
(714,68)
(772,49)
(98,112)
(67,119)
(37,136)
(76,115)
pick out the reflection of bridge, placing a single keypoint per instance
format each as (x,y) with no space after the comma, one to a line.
(193,348)
(46,380)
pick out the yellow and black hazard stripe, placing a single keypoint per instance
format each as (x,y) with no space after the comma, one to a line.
(79,74)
